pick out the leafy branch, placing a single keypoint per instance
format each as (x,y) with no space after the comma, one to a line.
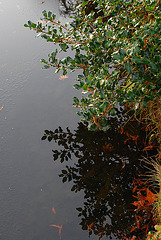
(116,46)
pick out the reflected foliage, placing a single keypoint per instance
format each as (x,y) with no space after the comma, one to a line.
(67,6)
(103,165)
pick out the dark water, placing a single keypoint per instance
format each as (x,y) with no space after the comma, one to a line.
(34,100)
(103,167)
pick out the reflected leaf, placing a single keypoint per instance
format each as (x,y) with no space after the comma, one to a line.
(44,137)
(103,167)
(64,179)
(50,138)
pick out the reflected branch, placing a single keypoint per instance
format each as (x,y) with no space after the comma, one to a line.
(103,165)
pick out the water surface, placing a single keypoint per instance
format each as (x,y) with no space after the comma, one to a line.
(34,100)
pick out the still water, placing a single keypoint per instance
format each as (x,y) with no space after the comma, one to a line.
(34,100)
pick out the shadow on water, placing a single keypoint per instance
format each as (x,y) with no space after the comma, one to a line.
(103,165)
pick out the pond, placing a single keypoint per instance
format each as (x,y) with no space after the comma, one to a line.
(32,195)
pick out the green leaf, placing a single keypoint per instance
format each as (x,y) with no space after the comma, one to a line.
(112,112)
(122,51)
(46,67)
(53,16)
(33,25)
(29,23)
(100,20)
(77,86)
(64,72)
(44,13)
(103,106)
(144,104)
(93,127)
(76,100)
(49,14)
(106,128)
(79,113)
(153,67)
(137,59)
(85,86)
(57,70)
(91,110)
(117,57)
(84,3)
(129,67)
(63,46)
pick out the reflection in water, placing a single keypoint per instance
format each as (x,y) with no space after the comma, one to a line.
(67,7)
(106,164)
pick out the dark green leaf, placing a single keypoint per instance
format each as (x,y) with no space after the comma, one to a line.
(129,67)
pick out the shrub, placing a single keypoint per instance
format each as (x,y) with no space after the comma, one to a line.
(117,45)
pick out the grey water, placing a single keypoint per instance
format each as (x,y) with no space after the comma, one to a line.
(31,100)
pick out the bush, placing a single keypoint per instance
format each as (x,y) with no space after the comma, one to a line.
(117,45)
